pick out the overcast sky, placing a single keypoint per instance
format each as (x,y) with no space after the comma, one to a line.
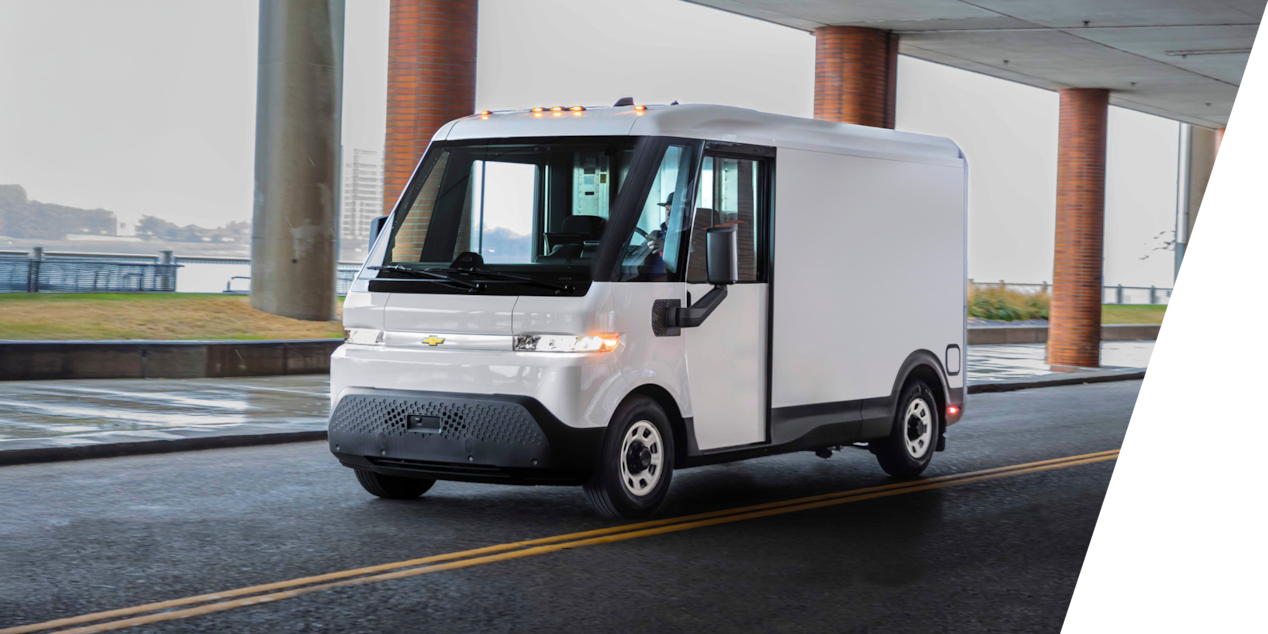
(148,107)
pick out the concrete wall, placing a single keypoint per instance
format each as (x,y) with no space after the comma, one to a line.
(45,360)
(42,360)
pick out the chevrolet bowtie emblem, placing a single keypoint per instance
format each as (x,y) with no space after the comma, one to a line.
(433,340)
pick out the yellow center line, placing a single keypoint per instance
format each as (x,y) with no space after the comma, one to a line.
(529,548)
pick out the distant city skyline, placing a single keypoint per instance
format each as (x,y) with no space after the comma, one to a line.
(181,147)
(361,198)
(26,220)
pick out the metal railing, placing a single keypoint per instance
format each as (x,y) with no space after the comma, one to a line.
(40,272)
(1118,294)
(37,271)
(238,280)
(84,272)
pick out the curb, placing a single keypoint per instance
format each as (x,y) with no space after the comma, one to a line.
(143,447)
(1056,381)
(177,359)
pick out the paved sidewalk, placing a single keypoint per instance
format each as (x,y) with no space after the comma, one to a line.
(1026,360)
(51,417)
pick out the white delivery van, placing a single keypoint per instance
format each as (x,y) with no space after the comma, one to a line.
(601,296)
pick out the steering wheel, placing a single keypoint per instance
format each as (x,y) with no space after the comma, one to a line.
(641,232)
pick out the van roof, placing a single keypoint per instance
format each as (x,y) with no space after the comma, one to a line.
(707,122)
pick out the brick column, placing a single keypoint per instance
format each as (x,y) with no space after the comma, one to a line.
(856,75)
(431,75)
(1074,334)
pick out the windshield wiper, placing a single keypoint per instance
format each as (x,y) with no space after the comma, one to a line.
(562,288)
(433,275)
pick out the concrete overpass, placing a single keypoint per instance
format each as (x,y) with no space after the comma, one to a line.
(1180,59)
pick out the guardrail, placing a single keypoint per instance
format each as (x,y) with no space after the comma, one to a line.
(88,272)
(1118,294)
(40,272)
(233,275)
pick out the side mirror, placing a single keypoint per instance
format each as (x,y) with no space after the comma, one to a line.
(722,260)
(723,269)
(376,226)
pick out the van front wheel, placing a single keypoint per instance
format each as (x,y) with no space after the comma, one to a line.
(637,461)
(392,487)
(913,439)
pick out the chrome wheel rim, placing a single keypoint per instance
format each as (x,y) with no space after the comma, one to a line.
(642,458)
(918,428)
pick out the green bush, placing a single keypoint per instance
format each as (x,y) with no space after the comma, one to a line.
(1005,305)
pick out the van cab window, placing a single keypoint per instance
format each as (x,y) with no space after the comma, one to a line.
(525,203)
(653,251)
(730,193)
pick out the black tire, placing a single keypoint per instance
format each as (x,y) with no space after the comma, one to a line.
(392,487)
(611,491)
(895,453)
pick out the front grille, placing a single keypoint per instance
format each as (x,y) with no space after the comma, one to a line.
(460,419)
(441,468)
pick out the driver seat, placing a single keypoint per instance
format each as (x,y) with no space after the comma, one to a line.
(578,241)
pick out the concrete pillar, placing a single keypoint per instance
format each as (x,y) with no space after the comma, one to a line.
(431,75)
(1198,149)
(1074,332)
(298,101)
(856,75)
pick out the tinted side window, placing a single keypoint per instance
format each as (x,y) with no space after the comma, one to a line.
(652,253)
(732,192)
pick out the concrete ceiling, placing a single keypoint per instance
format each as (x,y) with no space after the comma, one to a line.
(1180,59)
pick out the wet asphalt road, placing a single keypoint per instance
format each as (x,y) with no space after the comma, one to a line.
(1001,555)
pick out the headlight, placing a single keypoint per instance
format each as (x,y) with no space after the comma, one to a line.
(363,336)
(566,343)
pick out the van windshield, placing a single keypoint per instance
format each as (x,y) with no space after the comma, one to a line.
(538,206)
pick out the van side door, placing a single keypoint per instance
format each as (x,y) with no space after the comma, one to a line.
(728,355)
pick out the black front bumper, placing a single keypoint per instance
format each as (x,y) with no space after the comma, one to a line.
(453,436)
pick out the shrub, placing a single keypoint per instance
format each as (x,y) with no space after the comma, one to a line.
(1005,305)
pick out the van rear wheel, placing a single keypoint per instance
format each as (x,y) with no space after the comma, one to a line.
(392,487)
(913,439)
(637,461)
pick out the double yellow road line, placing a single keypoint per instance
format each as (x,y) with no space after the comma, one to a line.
(254,595)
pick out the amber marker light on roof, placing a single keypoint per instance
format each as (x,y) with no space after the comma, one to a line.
(640,107)
(577,108)
(557,109)
(538,109)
